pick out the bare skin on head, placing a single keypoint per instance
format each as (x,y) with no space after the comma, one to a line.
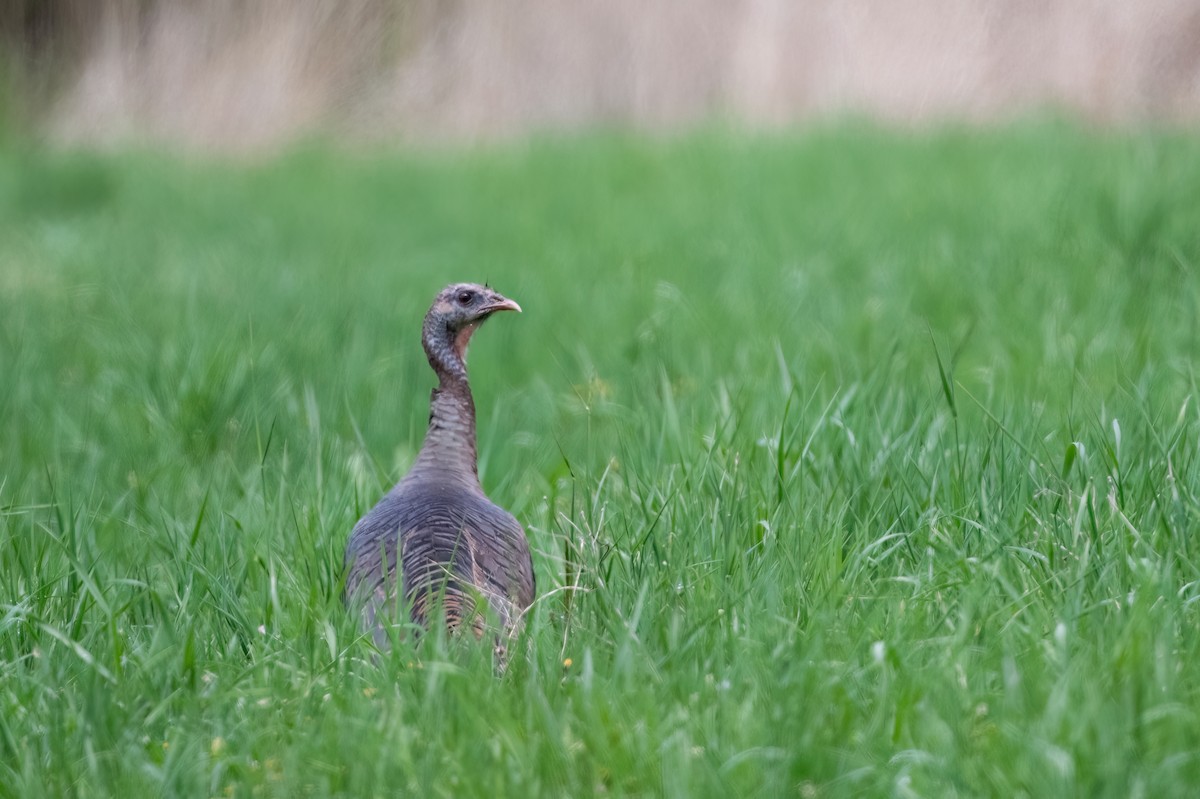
(436,537)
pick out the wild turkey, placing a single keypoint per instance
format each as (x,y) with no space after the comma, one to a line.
(452,544)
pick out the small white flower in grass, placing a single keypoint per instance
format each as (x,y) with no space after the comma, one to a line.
(1060,759)
(262,629)
(1012,677)
(878,651)
(1060,634)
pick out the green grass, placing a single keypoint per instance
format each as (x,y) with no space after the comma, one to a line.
(854,463)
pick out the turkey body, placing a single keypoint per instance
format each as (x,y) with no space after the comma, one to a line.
(448,546)
(435,544)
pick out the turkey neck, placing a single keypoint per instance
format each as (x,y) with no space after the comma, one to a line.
(449,447)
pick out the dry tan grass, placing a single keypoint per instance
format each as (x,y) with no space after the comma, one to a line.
(229,74)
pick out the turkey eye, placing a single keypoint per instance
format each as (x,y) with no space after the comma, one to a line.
(466,297)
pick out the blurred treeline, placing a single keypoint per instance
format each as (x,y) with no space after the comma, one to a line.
(230,74)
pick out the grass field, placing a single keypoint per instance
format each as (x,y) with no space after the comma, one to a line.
(854,463)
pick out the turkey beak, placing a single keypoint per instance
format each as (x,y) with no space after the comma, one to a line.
(499,303)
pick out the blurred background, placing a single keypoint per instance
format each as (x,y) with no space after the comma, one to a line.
(230,75)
